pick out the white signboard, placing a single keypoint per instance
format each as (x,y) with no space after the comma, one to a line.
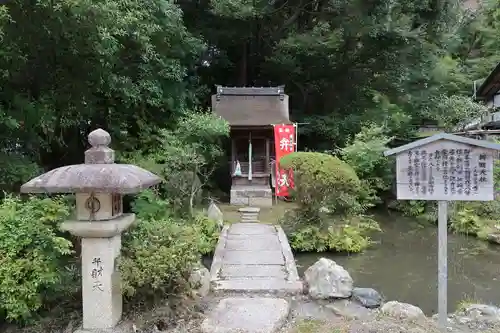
(445,167)
(445,170)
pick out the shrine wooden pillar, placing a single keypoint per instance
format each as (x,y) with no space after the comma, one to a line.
(267,155)
(233,155)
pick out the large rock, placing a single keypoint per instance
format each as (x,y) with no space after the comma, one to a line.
(494,238)
(477,316)
(402,310)
(368,297)
(350,310)
(325,279)
(200,281)
(214,213)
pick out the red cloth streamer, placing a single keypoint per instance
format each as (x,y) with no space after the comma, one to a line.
(284,141)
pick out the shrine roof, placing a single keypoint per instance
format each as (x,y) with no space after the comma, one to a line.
(491,84)
(443,136)
(251,106)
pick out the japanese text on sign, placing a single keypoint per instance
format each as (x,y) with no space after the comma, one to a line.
(445,171)
(284,136)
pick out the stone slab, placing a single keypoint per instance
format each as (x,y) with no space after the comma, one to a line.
(247,315)
(248,271)
(254,258)
(253,244)
(259,285)
(249,210)
(245,216)
(250,221)
(252,229)
(349,309)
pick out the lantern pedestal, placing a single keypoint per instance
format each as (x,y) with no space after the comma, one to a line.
(101,282)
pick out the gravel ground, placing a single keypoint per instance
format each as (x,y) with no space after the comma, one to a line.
(306,316)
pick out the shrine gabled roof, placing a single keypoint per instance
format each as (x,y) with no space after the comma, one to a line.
(443,136)
(491,85)
(251,106)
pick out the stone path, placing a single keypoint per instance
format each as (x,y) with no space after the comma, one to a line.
(253,257)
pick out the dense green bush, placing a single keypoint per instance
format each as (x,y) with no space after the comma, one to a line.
(323,181)
(33,256)
(330,205)
(157,257)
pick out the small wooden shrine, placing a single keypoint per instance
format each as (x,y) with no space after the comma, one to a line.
(251,113)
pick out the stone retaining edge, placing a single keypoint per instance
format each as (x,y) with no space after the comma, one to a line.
(219,254)
(290,265)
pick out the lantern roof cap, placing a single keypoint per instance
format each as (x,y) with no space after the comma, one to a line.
(99,173)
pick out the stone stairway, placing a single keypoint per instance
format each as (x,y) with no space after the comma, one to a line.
(249,214)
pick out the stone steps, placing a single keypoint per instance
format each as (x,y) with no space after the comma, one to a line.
(249,214)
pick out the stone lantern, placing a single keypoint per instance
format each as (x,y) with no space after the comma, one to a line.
(99,185)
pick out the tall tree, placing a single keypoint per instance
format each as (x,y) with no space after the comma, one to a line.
(336,57)
(71,65)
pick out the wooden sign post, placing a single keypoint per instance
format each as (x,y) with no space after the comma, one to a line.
(445,167)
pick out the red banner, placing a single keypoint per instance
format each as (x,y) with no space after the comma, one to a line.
(285,143)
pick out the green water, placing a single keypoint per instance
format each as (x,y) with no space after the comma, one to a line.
(403,265)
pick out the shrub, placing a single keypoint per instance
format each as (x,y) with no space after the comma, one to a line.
(157,257)
(32,255)
(185,157)
(348,235)
(208,232)
(323,181)
(365,153)
(424,211)
(329,211)
(476,218)
(160,250)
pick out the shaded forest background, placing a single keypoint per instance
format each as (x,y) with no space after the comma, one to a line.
(137,67)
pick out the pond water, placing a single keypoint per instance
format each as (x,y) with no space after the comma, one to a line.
(402,265)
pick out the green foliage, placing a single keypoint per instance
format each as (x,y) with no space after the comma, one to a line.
(157,257)
(329,213)
(121,65)
(185,157)
(345,235)
(32,255)
(476,218)
(16,169)
(366,156)
(322,180)
(454,112)
(208,232)
(425,211)
(160,250)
